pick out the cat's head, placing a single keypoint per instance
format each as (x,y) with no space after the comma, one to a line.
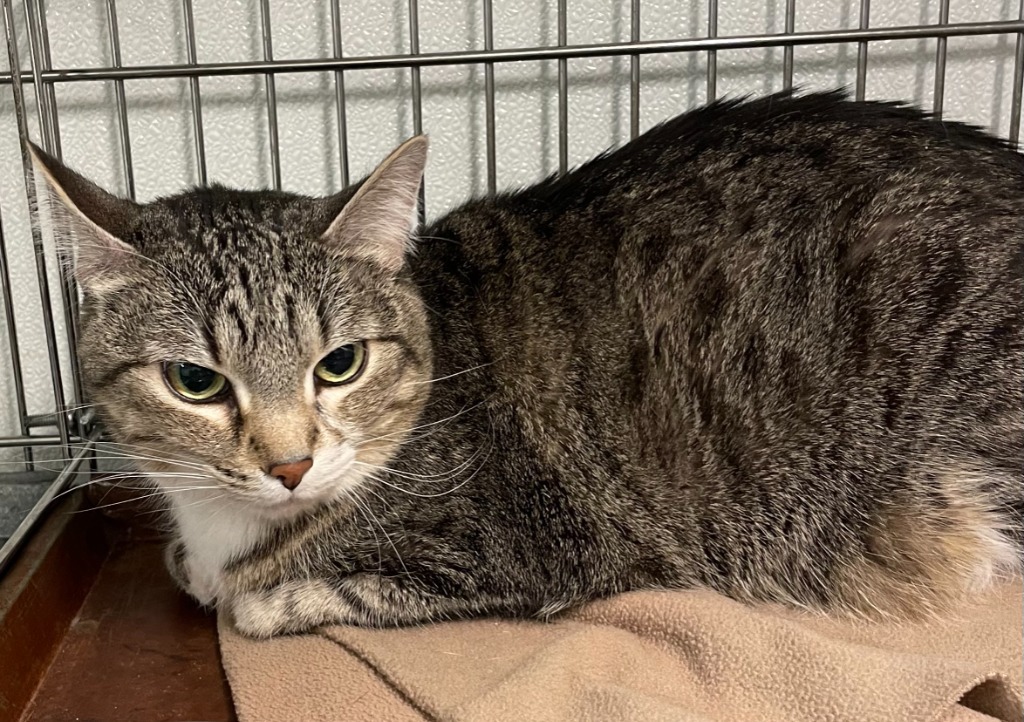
(229,338)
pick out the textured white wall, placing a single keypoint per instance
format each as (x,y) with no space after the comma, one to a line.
(978,88)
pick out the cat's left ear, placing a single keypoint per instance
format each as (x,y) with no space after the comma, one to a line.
(380,220)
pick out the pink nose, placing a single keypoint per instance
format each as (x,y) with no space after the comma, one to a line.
(290,474)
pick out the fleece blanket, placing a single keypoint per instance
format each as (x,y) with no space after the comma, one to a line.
(645,656)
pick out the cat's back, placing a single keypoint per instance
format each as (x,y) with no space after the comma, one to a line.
(808,190)
(792,151)
(734,167)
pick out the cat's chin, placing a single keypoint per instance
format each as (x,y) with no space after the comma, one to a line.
(279,510)
(289,509)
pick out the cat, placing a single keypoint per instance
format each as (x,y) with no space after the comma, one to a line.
(772,348)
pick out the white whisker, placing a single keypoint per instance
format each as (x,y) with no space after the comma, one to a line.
(464,410)
(367,510)
(453,375)
(438,494)
(143,498)
(443,476)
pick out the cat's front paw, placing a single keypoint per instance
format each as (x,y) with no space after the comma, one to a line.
(256,615)
(290,608)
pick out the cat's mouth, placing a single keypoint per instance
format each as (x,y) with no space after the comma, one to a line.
(331,474)
(263,496)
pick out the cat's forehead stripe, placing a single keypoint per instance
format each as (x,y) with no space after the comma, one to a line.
(211,342)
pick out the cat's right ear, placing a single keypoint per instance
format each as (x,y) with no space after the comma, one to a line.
(87,223)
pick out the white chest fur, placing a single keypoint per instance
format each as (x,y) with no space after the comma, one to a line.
(214,530)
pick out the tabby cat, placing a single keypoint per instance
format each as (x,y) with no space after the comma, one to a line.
(772,348)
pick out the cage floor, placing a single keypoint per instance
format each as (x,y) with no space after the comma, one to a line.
(135,648)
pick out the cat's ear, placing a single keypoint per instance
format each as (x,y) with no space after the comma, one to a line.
(86,221)
(379,221)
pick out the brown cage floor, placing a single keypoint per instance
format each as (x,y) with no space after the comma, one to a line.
(92,628)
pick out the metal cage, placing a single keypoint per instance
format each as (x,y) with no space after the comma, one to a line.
(51,450)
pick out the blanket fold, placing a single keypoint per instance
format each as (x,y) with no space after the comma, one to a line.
(646,656)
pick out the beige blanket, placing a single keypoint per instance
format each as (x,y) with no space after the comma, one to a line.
(647,656)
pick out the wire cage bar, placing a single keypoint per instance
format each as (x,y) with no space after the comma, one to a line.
(68,428)
(491,56)
(339,93)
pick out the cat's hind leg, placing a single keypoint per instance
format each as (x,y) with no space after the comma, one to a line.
(927,551)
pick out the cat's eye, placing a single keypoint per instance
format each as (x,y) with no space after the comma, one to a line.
(195,383)
(342,365)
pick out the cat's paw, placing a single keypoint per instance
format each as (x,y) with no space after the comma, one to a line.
(289,608)
(256,615)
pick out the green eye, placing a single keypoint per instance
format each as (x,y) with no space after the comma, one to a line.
(194,383)
(341,365)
